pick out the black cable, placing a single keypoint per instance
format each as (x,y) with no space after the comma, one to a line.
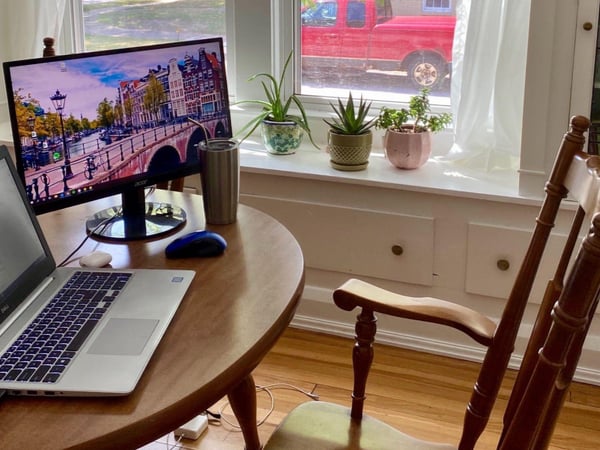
(102,225)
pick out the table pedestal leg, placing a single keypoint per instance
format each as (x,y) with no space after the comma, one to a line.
(243,403)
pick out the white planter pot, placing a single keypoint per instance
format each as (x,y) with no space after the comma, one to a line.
(281,138)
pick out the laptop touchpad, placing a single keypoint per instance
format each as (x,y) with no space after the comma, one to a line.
(123,337)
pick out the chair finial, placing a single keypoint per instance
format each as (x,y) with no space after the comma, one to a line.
(580,124)
(48,47)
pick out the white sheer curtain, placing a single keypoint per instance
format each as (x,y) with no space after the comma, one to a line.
(24,25)
(488,77)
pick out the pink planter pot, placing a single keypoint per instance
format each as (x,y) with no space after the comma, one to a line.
(407,150)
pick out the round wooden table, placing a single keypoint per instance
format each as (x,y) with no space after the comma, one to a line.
(234,312)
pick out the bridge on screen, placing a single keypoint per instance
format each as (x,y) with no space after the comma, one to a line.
(150,151)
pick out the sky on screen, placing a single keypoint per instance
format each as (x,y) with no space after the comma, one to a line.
(89,80)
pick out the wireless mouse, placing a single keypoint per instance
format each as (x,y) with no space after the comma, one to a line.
(196,244)
(95,259)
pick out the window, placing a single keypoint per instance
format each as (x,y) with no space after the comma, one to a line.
(549,69)
(260,43)
(113,24)
(387,50)
(437,5)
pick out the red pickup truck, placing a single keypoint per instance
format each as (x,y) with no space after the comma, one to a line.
(363,34)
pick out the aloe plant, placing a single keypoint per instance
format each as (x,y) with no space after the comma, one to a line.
(351,119)
(276,106)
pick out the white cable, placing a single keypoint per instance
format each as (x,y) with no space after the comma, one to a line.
(288,386)
(177,445)
(267,389)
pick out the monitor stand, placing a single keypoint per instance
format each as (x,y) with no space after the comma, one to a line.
(135,218)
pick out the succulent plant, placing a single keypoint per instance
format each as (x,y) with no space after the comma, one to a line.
(351,119)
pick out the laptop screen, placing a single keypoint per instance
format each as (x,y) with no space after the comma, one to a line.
(25,259)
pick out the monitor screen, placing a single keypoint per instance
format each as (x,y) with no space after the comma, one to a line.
(90,125)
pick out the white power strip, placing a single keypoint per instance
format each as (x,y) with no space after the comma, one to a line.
(193,429)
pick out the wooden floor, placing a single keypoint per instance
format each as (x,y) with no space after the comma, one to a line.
(421,394)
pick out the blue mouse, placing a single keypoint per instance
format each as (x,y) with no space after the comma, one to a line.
(196,244)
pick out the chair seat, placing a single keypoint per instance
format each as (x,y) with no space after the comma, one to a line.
(323,426)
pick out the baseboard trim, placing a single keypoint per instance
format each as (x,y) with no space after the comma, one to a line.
(418,343)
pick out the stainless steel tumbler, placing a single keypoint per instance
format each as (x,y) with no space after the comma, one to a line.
(220,178)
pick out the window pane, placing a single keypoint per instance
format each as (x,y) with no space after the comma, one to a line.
(127,23)
(386,49)
(437,5)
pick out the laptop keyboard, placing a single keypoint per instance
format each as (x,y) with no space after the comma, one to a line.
(51,341)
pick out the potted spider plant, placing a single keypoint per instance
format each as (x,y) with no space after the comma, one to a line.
(282,131)
(407,139)
(350,137)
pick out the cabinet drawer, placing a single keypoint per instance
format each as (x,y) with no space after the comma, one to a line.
(358,242)
(494,256)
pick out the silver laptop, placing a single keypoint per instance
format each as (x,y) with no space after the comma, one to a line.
(95,349)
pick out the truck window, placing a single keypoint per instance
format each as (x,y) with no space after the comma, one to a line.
(355,16)
(438,6)
(323,14)
(384,10)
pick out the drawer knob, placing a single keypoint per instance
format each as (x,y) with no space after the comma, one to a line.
(503,264)
(587,26)
(397,250)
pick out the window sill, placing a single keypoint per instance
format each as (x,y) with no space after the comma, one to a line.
(435,177)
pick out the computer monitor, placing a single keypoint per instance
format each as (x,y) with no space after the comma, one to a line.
(91,125)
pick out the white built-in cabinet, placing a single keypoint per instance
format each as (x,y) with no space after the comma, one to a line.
(467,250)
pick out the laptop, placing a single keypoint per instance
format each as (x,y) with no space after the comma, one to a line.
(98,349)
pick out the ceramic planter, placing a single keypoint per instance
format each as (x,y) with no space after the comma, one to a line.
(349,151)
(281,138)
(407,150)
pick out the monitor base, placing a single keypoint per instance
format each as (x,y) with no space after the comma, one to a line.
(157,219)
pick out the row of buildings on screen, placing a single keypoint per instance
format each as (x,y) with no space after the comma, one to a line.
(196,88)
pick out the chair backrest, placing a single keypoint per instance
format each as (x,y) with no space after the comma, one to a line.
(566,309)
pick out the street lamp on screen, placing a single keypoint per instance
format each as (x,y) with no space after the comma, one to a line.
(31,123)
(58,100)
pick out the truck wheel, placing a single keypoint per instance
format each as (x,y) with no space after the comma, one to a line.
(426,71)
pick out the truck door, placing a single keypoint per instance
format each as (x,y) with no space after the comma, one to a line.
(359,19)
(320,29)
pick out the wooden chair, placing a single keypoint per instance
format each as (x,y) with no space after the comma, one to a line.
(549,362)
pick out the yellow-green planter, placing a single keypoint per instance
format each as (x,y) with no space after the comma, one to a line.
(349,151)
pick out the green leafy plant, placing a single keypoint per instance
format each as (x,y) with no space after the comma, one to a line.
(276,106)
(417,118)
(351,120)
